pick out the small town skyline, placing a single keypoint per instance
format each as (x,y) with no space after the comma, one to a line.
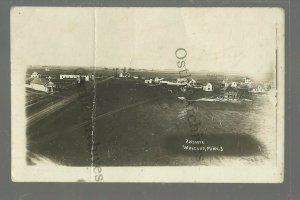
(263,75)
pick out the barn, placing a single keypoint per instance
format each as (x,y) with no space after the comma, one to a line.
(42,84)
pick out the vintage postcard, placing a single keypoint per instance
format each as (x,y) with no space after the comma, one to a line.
(147,94)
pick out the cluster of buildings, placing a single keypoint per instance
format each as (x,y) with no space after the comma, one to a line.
(47,84)
(125,74)
(226,89)
(235,90)
(41,84)
(181,82)
(247,84)
(242,84)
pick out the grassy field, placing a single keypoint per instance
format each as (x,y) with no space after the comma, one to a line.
(138,125)
(153,133)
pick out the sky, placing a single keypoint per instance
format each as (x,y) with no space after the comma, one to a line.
(233,40)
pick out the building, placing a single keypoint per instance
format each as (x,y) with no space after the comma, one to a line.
(258,90)
(77,76)
(35,75)
(128,75)
(225,83)
(233,84)
(42,84)
(192,83)
(247,81)
(149,81)
(124,75)
(68,76)
(208,87)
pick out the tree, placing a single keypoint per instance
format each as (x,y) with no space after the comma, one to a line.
(116,72)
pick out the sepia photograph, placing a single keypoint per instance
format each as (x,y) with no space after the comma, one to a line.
(147,94)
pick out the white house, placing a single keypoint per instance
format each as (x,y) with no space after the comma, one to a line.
(233,84)
(149,81)
(42,84)
(208,87)
(258,90)
(192,83)
(35,75)
(247,81)
(225,83)
(124,75)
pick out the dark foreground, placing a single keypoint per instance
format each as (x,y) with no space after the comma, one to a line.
(138,125)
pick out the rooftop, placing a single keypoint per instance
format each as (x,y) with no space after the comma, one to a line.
(41,81)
